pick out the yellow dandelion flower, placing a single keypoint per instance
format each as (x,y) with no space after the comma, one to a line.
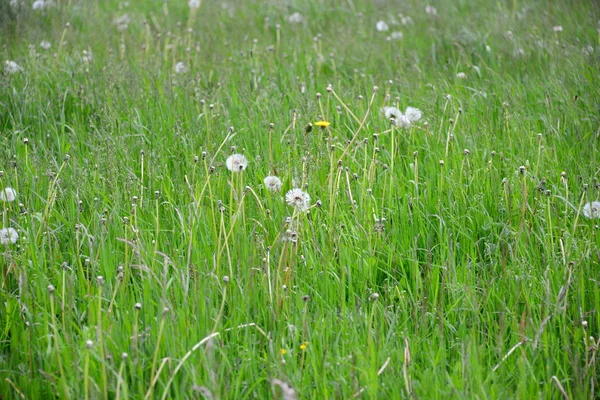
(283,352)
(322,124)
(303,346)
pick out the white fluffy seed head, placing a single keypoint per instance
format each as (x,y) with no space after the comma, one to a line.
(8,236)
(298,199)
(236,162)
(592,210)
(8,194)
(273,184)
(413,114)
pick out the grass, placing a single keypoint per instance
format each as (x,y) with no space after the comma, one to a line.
(452,259)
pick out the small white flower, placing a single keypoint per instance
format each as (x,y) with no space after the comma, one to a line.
(406,21)
(298,199)
(592,210)
(461,75)
(382,26)
(194,4)
(273,184)
(431,10)
(44,44)
(8,194)
(413,114)
(181,68)
(296,18)
(236,162)
(12,67)
(8,236)
(557,28)
(396,35)
(488,48)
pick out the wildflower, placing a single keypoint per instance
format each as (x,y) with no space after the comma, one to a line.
(322,124)
(236,162)
(283,352)
(431,10)
(194,4)
(298,199)
(296,18)
(304,346)
(44,44)
(592,210)
(8,236)
(557,28)
(461,75)
(382,26)
(273,184)
(12,67)
(396,35)
(181,68)
(8,194)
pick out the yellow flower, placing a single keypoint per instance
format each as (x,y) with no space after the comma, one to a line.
(303,346)
(322,124)
(283,352)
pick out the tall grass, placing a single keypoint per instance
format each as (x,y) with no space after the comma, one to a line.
(451,259)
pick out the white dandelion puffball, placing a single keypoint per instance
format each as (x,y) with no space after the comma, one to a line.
(557,28)
(403,122)
(413,114)
(382,26)
(194,4)
(122,22)
(592,210)
(391,112)
(273,184)
(298,199)
(12,67)
(38,5)
(8,236)
(396,35)
(431,10)
(87,56)
(236,162)
(181,68)
(44,44)
(296,18)
(461,75)
(8,194)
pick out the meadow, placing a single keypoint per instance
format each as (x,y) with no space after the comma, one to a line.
(299,199)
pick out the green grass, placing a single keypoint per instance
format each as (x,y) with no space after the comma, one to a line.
(478,278)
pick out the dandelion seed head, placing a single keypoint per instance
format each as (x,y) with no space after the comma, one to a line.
(295,18)
(461,75)
(273,184)
(44,44)
(592,210)
(391,112)
(194,4)
(8,236)
(181,68)
(298,199)
(413,114)
(8,194)
(236,162)
(403,122)
(382,26)
(12,67)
